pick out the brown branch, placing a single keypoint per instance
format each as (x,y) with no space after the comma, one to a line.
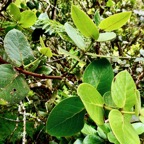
(21,70)
(139,78)
(42,76)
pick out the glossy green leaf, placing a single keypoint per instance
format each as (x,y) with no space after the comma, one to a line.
(67,118)
(28,18)
(13,87)
(17,48)
(84,23)
(122,129)
(138,103)
(139,127)
(106,36)
(93,139)
(115,21)
(75,36)
(92,101)
(123,90)
(108,99)
(14,11)
(99,73)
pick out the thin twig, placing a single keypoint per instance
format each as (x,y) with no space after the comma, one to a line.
(21,70)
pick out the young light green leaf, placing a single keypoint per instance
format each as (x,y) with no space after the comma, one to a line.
(138,103)
(17,48)
(122,129)
(92,101)
(106,36)
(13,87)
(46,51)
(99,73)
(75,36)
(84,23)
(42,42)
(115,21)
(28,18)
(14,11)
(123,91)
(67,118)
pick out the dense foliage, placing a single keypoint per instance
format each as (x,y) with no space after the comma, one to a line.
(71,71)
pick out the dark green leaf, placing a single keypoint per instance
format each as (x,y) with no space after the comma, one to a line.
(18,48)
(97,18)
(67,118)
(13,87)
(99,73)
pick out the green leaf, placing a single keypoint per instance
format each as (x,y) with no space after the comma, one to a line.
(66,53)
(97,18)
(138,103)
(99,73)
(139,127)
(28,18)
(78,141)
(42,42)
(14,11)
(123,90)
(112,138)
(84,23)
(75,36)
(43,69)
(122,129)
(67,118)
(92,101)
(88,130)
(93,139)
(13,87)
(108,99)
(106,36)
(17,48)
(115,21)
(46,51)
